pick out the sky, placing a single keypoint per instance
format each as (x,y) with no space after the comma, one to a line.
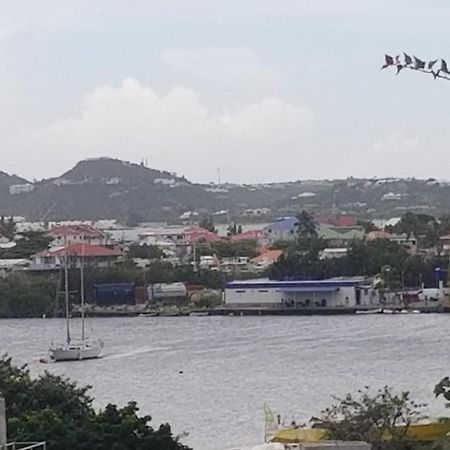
(264,90)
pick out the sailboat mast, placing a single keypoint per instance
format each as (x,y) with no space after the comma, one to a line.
(66,297)
(82,293)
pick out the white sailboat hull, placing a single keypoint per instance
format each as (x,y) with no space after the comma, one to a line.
(76,352)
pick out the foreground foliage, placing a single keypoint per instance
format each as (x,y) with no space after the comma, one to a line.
(53,409)
(371,418)
(382,419)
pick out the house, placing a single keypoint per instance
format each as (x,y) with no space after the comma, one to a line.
(444,245)
(409,243)
(236,264)
(340,237)
(255,235)
(332,253)
(331,293)
(283,229)
(21,188)
(91,255)
(64,235)
(12,265)
(265,260)
(196,234)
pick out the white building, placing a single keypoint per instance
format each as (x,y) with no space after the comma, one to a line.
(20,188)
(332,293)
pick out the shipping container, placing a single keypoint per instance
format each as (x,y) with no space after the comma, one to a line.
(167,291)
(114,294)
(141,294)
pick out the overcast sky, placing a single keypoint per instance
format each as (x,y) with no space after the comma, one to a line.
(267,90)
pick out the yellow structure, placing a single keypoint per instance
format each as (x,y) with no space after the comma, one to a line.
(420,432)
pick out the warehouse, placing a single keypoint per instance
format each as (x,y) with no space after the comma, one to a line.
(332,293)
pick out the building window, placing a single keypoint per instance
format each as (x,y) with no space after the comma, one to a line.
(240,291)
(263,290)
(324,302)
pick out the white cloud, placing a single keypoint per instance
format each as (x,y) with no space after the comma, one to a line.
(225,65)
(176,132)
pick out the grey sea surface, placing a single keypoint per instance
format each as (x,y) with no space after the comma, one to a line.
(210,376)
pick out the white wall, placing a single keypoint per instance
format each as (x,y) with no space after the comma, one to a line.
(343,297)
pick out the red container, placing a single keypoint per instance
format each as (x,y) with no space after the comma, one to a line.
(140,293)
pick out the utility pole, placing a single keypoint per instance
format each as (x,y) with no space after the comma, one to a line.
(3,440)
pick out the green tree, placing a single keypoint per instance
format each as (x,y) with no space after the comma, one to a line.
(23,295)
(145,251)
(54,409)
(306,226)
(207,223)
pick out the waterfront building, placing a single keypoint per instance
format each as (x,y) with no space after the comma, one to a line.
(331,293)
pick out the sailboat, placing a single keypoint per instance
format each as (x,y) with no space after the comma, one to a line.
(74,350)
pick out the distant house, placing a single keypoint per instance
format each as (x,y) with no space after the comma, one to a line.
(332,253)
(283,229)
(409,243)
(91,255)
(444,245)
(265,260)
(20,188)
(71,234)
(256,235)
(196,234)
(257,212)
(340,237)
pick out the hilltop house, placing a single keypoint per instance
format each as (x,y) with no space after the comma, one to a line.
(91,255)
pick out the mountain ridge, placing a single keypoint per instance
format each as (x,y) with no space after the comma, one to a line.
(111,188)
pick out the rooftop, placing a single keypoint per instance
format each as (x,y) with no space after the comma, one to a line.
(80,249)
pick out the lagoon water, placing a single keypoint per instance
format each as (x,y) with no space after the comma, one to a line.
(210,376)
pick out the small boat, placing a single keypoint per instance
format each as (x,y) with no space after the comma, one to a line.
(389,311)
(149,314)
(199,313)
(369,311)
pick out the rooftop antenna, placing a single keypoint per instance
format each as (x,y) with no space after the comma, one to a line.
(218,176)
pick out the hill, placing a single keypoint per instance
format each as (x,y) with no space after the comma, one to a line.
(110,188)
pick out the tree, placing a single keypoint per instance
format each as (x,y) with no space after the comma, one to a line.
(54,409)
(207,223)
(145,251)
(27,244)
(381,419)
(7,227)
(306,227)
(420,226)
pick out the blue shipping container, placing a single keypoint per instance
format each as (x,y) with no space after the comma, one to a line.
(114,294)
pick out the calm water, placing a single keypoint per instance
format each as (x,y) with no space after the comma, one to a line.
(232,365)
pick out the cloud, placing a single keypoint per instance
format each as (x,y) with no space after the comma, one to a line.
(225,65)
(176,132)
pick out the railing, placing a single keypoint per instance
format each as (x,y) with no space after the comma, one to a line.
(25,446)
